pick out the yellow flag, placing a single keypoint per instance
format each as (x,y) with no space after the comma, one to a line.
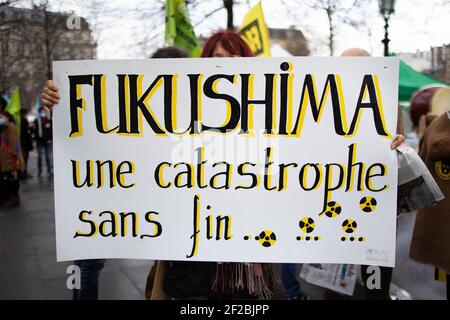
(255,32)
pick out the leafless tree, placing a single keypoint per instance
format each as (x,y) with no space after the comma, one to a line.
(29,42)
(338,12)
(151,18)
(228,5)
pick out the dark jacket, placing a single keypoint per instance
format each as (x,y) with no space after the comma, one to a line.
(43,130)
(26,140)
(431,237)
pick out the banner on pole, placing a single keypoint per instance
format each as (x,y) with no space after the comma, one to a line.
(179,30)
(255,32)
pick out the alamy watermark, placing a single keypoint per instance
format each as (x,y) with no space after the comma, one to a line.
(74,279)
(73,22)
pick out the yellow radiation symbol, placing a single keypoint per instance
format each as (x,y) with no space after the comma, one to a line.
(332,210)
(307,224)
(349,225)
(368,204)
(442,169)
(266,238)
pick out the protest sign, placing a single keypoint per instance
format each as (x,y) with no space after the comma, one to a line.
(238,159)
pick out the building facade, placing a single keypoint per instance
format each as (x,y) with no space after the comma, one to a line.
(440,63)
(434,63)
(30,40)
(290,39)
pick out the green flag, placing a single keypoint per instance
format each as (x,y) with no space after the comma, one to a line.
(179,30)
(13,107)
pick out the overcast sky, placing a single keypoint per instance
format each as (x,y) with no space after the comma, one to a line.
(416,24)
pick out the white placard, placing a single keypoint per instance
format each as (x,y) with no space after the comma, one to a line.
(298,169)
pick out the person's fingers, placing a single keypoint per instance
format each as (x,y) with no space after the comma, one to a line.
(50,98)
(46,102)
(398,140)
(394,144)
(53,94)
(52,86)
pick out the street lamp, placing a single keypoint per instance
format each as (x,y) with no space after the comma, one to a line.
(386,9)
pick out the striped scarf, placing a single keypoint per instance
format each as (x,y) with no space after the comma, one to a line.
(255,278)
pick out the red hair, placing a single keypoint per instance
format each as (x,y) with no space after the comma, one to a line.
(230,41)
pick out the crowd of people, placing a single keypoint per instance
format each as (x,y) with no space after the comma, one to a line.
(17,140)
(206,280)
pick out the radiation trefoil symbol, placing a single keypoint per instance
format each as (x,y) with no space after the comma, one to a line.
(266,238)
(368,204)
(349,225)
(307,224)
(332,210)
(442,169)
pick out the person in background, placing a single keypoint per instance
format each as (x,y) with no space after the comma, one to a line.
(44,140)
(430,241)
(205,280)
(26,141)
(11,161)
(419,109)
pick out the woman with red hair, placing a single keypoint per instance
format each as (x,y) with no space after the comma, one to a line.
(203,280)
(224,44)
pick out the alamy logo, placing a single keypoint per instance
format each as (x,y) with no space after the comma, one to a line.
(374,280)
(74,279)
(73,22)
